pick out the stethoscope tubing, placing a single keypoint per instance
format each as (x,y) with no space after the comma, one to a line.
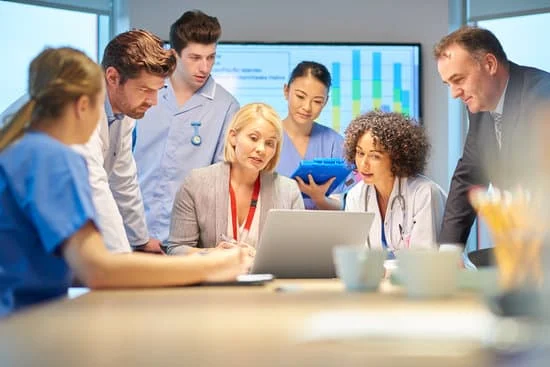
(402,203)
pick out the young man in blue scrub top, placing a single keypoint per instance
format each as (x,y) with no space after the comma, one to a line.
(135,65)
(186,129)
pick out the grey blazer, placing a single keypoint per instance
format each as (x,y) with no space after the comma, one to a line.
(199,215)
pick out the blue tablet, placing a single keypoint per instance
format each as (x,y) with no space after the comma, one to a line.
(322,170)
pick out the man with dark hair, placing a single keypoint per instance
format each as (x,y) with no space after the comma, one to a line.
(502,100)
(186,129)
(135,66)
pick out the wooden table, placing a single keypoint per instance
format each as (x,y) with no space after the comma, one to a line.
(223,326)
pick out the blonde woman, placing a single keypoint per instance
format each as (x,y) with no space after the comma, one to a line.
(231,199)
(48,222)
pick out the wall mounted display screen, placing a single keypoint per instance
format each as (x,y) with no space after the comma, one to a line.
(364,76)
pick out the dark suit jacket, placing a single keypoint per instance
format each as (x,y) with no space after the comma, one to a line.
(481,163)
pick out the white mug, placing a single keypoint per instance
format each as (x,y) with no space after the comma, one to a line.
(359,268)
(428,273)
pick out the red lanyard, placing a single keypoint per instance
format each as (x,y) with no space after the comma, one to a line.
(251,210)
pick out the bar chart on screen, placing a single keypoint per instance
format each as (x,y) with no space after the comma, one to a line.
(364,76)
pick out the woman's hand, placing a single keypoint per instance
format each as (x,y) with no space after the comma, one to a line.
(229,263)
(317,193)
(224,245)
(313,190)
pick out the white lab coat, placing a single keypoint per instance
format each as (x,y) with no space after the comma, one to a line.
(417,226)
(113,178)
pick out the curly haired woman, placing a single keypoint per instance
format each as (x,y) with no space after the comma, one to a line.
(390,152)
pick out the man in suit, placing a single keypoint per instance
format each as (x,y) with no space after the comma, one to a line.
(502,100)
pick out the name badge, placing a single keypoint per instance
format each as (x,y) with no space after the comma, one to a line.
(196,139)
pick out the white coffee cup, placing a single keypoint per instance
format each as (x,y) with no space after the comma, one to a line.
(359,268)
(428,273)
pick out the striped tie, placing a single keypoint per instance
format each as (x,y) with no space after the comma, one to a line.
(497,117)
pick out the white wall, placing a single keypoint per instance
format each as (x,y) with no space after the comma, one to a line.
(424,21)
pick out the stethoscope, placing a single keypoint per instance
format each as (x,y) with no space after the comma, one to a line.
(402,203)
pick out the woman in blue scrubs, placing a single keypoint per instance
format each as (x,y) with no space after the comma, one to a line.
(47,218)
(304,139)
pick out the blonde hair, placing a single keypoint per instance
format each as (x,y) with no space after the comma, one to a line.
(248,114)
(56,77)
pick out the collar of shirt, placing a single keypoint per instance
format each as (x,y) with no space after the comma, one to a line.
(500,106)
(207,91)
(111,116)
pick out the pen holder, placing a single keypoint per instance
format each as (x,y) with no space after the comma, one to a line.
(517,236)
(518,259)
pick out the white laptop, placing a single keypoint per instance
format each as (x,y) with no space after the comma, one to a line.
(298,243)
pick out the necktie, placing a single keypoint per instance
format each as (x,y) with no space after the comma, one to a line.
(497,117)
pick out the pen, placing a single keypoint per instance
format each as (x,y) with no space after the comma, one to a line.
(251,249)
(407,241)
(226,238)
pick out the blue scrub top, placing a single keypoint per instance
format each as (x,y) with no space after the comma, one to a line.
(171,140)
(45,198)
(323,143)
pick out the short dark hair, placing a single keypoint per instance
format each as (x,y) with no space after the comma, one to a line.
(138,50)
(404,140)
(194,26)
(314,69)
(477,41)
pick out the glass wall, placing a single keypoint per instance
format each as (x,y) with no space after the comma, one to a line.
(524,38)
(28,29)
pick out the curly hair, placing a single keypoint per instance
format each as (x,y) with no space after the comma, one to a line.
(400,136)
